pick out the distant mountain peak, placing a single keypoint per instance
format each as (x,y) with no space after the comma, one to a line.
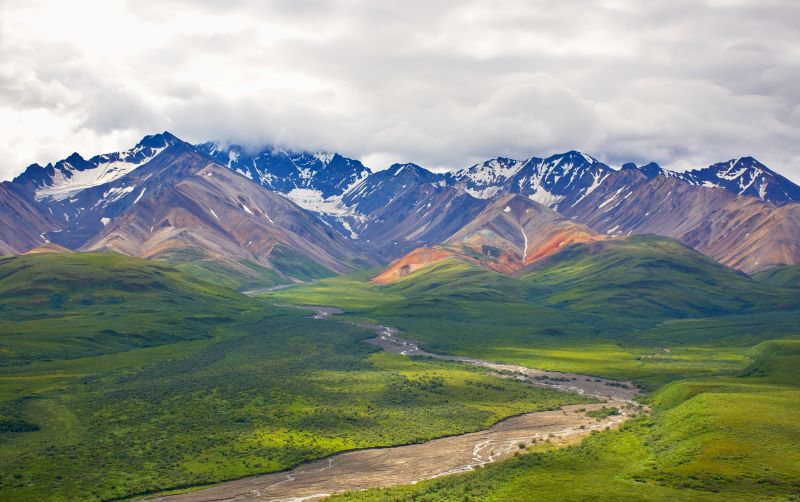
(60,180)
(308,178)
(746,176)
(651,169)
(407,168)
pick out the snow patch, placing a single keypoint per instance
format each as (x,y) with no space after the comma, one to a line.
(347,227)
(313,200)
(63,186)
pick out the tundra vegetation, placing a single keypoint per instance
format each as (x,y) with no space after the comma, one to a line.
(123,377)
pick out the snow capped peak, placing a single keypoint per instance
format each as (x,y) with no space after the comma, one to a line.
(66,177)
(324,157)
(285,171)
(548,181)
(745,176)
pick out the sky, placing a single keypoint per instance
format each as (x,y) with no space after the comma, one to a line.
(444,84)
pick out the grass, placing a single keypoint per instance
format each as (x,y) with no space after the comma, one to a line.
(628,310)
(788,276)
(734,438)
(717,351)
(222,386)
(122,377)
(58,306)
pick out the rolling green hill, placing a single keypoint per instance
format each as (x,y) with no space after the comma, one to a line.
(73,305)
(645,307)
(122,376)
(647,276)
(718,438)
(788,276)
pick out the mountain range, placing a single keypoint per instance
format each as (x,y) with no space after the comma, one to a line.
(292,216)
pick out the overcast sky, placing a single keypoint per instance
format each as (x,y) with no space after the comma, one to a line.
(441,83)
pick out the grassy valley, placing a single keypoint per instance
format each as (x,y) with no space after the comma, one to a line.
(716,350)
(731,438)
(122,377)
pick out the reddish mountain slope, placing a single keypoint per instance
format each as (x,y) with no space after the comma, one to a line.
(509,235)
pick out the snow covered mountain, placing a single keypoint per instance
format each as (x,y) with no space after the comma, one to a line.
(118,201)
(553,181)
(742,176)
(314,181)
(69,176)
(746,176)
(166,199)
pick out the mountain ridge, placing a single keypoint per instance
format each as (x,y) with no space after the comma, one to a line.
(384,215)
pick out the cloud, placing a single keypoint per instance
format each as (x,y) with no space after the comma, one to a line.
(443,84)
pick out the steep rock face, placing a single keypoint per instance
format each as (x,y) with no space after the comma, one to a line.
(23,224)
(741,232)
(379,189)
(508,235)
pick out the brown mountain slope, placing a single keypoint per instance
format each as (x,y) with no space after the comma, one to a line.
(22,223)
(48,248)
(406,207)
(512,233)
(186,205)
(738,231)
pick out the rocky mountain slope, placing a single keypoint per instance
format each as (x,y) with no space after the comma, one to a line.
(175,202)
(23,224)
(510,234)
(739,231)
(150,201)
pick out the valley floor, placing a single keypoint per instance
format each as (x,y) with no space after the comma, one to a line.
(382,467)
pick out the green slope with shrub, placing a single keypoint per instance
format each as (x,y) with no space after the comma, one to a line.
(717,438)
(788,276)
(122,376)
(718,351)
(645,308)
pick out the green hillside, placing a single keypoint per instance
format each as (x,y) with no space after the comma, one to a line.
(646,276)
(788,276)
(73,305)
(718,438)
(647,308)
(122,376)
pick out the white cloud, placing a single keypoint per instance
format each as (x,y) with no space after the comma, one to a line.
(442,84)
